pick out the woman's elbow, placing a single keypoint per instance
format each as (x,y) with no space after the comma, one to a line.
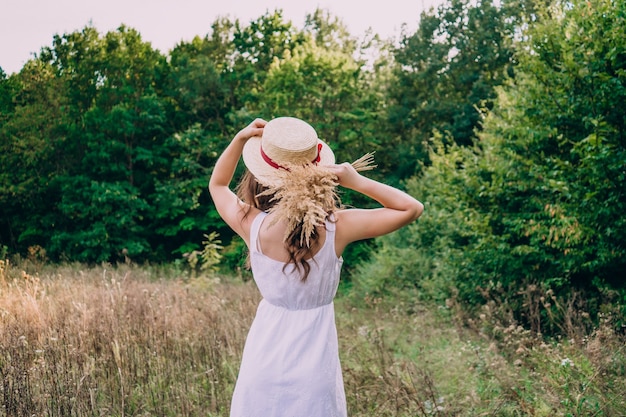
(215,189)
(416,210)
(215,184)
(412,212)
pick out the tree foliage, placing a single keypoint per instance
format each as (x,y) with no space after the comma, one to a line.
(539,200)
(108,143)
(445,77)
(505,118)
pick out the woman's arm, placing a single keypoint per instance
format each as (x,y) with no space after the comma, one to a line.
(228,205)
(399,209)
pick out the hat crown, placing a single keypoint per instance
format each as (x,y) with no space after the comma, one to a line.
(286,143)
(288,140)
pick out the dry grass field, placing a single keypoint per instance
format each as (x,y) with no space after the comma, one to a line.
(141,341)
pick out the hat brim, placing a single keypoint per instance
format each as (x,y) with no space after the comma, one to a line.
(265,173)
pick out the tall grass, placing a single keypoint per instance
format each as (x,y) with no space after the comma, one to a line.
(129,341)
(113,342)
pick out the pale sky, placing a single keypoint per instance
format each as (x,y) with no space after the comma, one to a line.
(28,25)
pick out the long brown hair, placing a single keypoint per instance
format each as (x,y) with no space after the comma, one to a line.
(255,194)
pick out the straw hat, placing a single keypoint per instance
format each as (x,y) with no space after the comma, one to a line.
(286,142)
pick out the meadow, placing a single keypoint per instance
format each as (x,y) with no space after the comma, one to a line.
(126,340)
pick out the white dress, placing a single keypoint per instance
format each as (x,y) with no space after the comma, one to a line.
(290,365)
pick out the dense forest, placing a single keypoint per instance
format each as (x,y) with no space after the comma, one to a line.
(505,118)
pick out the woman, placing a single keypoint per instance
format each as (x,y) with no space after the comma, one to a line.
(287,213)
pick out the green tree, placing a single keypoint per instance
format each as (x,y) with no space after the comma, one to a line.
(574,82)
(445,77)
(183,212)
(197,87)
(539,201)
(256,46)
(7,94)
(121,128)
(32,138)
(329,32)
(100,102)
(202,72)
(317,85)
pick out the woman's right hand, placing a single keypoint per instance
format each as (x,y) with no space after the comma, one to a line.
(253,129)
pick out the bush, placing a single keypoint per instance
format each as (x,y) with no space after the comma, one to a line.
(539,200)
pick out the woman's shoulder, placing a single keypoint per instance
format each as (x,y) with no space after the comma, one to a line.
(246,221)
(348,212)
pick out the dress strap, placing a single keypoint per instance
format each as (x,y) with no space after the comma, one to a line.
(329,245)
(254,232)
(330,223)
